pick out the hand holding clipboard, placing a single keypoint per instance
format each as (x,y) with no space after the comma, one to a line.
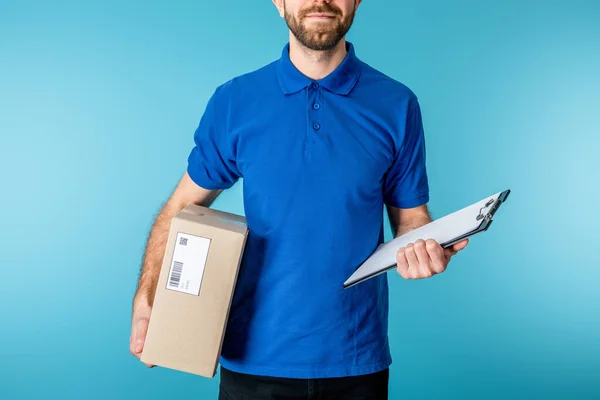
(447,231)
(425,258)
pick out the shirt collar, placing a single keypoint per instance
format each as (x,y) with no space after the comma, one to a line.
(340,81)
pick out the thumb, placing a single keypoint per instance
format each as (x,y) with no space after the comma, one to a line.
(460,245)
(448,253)
(140,336)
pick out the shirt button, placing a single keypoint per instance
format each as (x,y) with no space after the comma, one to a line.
(315,85)
(316,106)
(316,126)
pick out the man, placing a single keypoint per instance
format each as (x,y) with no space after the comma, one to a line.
(322,141)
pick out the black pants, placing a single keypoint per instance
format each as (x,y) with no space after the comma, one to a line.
(237,386)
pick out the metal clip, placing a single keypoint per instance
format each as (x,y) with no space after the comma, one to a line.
(487,215)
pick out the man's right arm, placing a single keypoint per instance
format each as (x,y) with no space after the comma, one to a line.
(213,165)
(186,192)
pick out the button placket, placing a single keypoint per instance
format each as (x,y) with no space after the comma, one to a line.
(314,115)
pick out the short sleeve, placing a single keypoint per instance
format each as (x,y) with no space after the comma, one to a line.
(406,183)
(211,163)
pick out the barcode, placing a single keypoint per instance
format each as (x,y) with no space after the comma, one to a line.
(176,274)
(183,241)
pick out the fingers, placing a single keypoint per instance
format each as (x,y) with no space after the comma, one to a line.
(402,263)
(422,259)
(138,337)
(436,253)
(413,262)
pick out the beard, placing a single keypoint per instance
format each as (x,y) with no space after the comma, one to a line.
(322,36)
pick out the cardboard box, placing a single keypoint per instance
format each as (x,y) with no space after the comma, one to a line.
(194,291)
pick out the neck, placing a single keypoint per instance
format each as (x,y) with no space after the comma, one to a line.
(316,64)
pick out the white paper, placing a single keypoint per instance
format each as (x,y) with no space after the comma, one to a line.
(188,263)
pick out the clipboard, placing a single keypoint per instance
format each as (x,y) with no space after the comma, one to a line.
(447,231)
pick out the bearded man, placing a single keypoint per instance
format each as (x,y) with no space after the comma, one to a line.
(323,142)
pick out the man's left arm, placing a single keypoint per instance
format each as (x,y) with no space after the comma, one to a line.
(423,258)
(404,220)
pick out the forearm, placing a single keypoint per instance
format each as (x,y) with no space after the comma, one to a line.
(153,256)
(412,224)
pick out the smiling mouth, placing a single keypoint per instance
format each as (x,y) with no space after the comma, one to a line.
(320,16)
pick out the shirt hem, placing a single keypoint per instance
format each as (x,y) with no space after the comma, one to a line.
(203,181)
(411,202)
(308,372)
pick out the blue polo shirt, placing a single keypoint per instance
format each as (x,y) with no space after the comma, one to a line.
(319,159)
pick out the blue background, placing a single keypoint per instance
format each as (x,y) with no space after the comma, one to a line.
(98,104)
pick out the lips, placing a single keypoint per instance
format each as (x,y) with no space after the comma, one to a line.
(320,16)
